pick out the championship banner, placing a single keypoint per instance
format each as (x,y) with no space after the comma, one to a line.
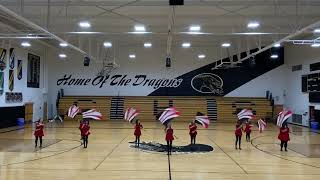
(19,69)
(11,58)
(11,80)
(1,82)
(3,53)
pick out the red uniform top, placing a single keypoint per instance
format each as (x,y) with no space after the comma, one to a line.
(238,131)
(137,129)
(248,128)
(284,134)
(84,128)
(169,135)
(39,130)
(193,129)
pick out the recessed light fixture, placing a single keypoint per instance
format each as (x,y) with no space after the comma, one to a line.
(63,44)
(132,56)
(62,55)
(84,24)
(277,45)
(147,45)
(25,44)
(107,44)
(139,28)
(186,45)
(315,45)
(274,56)
(316,30)
(195,28)
(225,44)
(253,25)
(201,56)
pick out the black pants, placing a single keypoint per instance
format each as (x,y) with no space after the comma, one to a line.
(193,139)
(248,136)
(285,144)
(36,141)
(238,140)
(85,141)
(137,142)
(169,147)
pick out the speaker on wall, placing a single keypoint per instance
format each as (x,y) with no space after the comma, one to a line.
(168,62)
(176,2)
(314,97)
(86,61)
(304,83)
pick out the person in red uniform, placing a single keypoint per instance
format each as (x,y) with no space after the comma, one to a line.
(238,133)
(169,138)
(284,136)
(193,132)
(38,133)
(137,132)
(247,129)
(84,128)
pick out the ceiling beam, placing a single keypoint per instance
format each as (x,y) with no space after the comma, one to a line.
(39,28)
(164,3)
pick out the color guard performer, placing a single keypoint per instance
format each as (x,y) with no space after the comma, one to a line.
(38,133)
(169,138)
(193,132)
(238,133)
(84,128)
(248,130)
(284,136)
(137,132)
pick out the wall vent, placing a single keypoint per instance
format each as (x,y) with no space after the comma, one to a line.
(297,68)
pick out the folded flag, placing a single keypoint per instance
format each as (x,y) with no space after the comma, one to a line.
(92,114)
(73,111)
(203,120)
(130,114)
(168,114)
(245,114)
(261,125)
(283,116)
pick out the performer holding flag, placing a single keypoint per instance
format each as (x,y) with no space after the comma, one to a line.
(130,115)
(165,118)
(84,128)
(200,119)
(247,129)
(284,130)
(38,133)
(243,115)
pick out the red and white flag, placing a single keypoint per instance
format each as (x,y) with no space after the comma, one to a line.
(261,125)
(245,114)
(92,114)
(168,114)
(130,114)
(204,120)
(283,116)
(73,111)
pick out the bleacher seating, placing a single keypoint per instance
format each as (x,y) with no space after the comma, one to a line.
(188,106)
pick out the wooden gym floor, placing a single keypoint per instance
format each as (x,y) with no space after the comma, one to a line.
(109,156)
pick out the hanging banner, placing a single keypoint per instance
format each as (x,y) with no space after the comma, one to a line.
(19,69)
(3,64)
(11,58)
(11,80)
(1,82)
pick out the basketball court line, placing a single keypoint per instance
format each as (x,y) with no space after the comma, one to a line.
(278,156)
(228,156)
(52,155)
(117,145)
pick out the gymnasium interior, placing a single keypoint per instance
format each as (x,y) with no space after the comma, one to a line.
(126,62)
